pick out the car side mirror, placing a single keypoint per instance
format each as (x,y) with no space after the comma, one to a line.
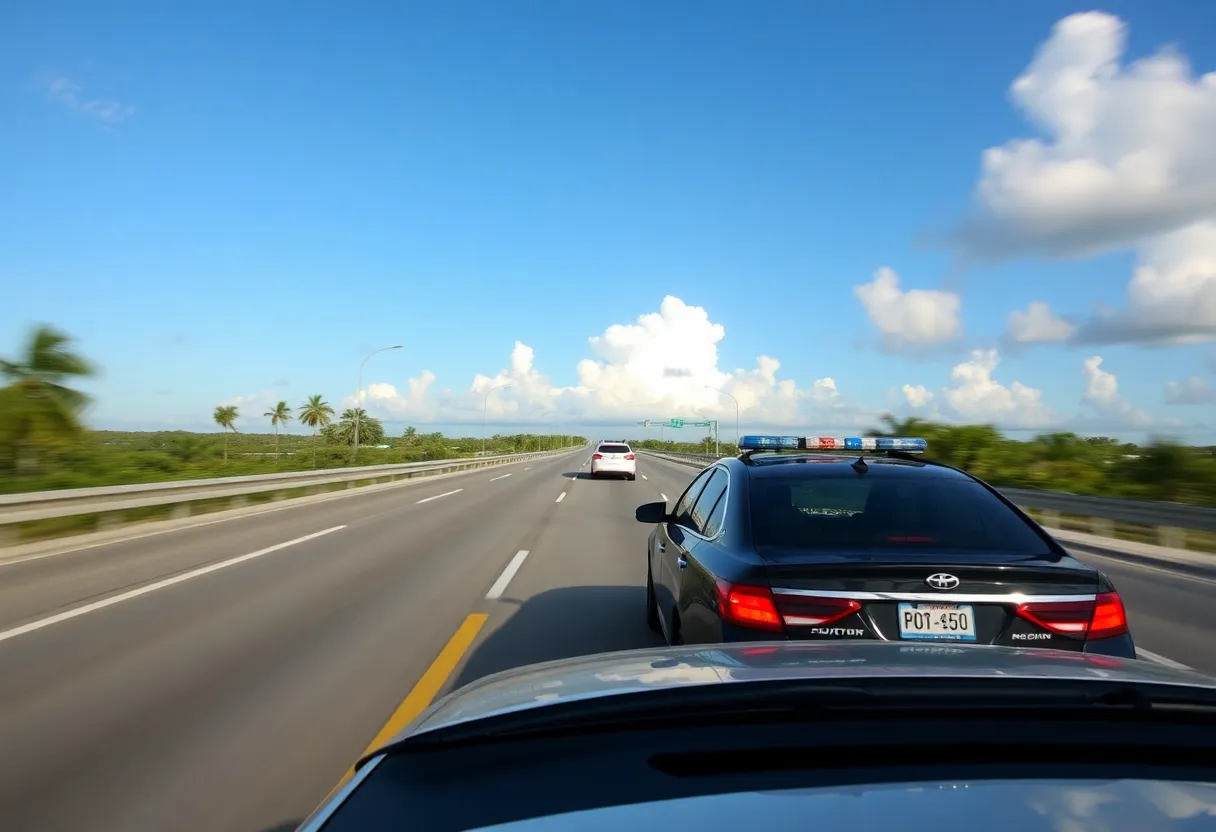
(652,513)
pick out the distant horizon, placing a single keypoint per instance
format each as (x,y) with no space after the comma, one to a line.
(626,430)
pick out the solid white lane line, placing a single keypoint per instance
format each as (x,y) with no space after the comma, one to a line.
(503,477)
(560,497)
(664,496)
(437,496)
(144,590)
(500,585)
(1141,653)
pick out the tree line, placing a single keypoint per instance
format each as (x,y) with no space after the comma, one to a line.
(45,444)
(1067,462)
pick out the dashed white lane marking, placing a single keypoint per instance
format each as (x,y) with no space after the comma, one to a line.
(664,496)
(1141,653)
(500,586)
(527,469)
(560,497)
(645,477)
(144,590)
(437,496)
(503,477)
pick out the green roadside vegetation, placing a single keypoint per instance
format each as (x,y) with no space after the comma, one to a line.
(44,443)
(1093,465)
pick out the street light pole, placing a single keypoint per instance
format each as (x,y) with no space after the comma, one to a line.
(359,400)
(736,401)
(541,411)
(485,410)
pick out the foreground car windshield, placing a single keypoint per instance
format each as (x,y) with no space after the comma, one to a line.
(888,513)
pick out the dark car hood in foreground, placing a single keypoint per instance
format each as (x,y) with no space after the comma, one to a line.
(631,671)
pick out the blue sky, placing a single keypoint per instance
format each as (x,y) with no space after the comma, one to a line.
(236,201)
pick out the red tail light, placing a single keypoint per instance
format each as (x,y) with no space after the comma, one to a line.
(629,456)
(597,456)
(1110,619)
(1101,618)
(748,606)
(808,611)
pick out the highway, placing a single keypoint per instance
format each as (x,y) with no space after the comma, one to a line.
(226,676)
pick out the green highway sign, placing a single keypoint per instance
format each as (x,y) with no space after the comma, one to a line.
(676,423)
(699,424)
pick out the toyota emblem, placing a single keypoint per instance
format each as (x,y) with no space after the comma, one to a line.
(941,580)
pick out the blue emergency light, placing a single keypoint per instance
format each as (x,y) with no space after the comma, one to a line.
(904,444)
(751,443)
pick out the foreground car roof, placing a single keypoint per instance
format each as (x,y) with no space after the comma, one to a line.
(611,674)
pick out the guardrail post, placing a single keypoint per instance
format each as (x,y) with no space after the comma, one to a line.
(1102,526)
(109,522)
(180,511)
(1171,538)
(239,502)
(1051,519)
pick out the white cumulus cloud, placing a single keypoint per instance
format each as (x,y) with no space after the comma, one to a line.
(1192,391)
(975,396)
(917,395)
(1102,394)
(1126,153)
(1171,298)
(1126,160)
(664,364)
(912,318)
(1039,325)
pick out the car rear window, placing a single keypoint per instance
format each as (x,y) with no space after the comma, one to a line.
(886,513)
(614,449)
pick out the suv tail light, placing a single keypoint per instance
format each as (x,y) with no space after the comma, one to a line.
(748,606)
(597,456)
(629,456)
(1088,620)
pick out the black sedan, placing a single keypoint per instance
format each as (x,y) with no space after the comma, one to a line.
(867,546)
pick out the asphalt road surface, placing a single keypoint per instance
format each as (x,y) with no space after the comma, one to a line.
(226,676)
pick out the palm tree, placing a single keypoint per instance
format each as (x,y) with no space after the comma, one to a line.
(225,416)
(343,432)
(892,426)
(316,413)
(281,415)
(36,404)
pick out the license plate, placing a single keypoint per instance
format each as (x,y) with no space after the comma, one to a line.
(937,622)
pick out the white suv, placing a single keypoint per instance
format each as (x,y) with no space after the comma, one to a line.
(614,458)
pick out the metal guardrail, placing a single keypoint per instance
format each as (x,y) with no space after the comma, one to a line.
(45,505)
(1170,519)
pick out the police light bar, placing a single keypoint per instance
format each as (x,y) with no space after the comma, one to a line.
(754,443)
(904,444)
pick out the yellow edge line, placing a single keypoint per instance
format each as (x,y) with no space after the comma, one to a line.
(424,690)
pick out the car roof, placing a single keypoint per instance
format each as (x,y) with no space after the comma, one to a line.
(815,465)
(650,669)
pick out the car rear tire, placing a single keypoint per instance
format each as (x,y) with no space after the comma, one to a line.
(652,607)
(633,477)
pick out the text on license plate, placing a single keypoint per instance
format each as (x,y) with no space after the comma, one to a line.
(939,622)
